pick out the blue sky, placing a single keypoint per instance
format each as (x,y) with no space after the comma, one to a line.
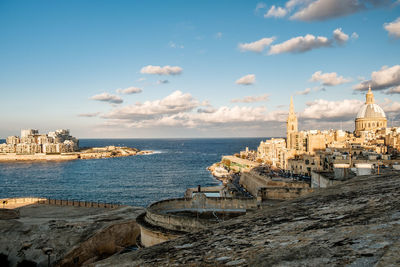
(62,63)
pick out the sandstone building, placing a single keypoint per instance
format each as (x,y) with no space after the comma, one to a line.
(31,142)
(291,127)
(313,150)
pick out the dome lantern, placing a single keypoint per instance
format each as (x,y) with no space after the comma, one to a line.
(369,97)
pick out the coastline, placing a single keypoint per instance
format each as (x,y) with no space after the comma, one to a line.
(90,153)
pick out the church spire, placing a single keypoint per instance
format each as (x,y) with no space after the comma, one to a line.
(291,126)
(369,96)
(291,109)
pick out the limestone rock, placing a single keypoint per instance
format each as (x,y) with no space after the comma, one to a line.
(74,234)
(356,223)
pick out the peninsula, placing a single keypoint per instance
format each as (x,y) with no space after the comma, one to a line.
(317,158)
(57,145)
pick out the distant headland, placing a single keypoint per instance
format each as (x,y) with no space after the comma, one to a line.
(57,145)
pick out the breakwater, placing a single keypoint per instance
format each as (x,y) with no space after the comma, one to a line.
(89,153)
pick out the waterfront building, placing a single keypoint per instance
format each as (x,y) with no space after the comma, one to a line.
(271,151)
(31,142)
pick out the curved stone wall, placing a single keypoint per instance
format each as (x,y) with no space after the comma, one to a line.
(161,222)
(151,235)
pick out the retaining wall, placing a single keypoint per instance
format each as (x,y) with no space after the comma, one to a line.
(282,193)
(263,187)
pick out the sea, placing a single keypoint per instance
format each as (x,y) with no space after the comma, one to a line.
(177,164)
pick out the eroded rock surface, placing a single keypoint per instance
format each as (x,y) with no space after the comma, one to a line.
(356,223)
(76,234)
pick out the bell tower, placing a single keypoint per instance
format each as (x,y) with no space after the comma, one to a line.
(291,126)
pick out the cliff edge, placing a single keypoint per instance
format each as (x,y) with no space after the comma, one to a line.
(356,223)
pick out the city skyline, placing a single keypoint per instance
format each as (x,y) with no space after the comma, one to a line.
(195,69)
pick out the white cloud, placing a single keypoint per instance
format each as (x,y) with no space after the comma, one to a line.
(179,110)
(354,36)
(218,35)
(257,46)
(328,79)
(276,12)
(239,114)
(393,28)
(312,10)
(89,115)
(327,9)
(382,79)
(251,99)
(300,44)
(172,104)
(305,92)
(339,36)
(332,110)
(129,90)
(106,97)
(246,80)
(291,4)
(220,118)
(166,70)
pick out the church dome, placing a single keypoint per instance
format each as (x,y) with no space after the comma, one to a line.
(370,109)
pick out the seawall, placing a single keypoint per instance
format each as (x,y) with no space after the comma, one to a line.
(37,157)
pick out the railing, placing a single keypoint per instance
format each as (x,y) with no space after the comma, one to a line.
(7,202)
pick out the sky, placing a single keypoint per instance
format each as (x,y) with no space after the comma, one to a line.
(183,69)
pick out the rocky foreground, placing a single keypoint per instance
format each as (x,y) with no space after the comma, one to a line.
(76,235)
(356,223)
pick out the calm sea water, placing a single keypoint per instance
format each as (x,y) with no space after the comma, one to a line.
(138,180)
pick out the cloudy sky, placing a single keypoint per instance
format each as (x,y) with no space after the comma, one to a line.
(195,68)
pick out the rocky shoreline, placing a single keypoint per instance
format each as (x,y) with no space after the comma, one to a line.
(86,153)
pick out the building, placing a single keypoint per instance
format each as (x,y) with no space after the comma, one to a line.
(31,142)
(371,116)
(305,152)
(270,151)
(291,127)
